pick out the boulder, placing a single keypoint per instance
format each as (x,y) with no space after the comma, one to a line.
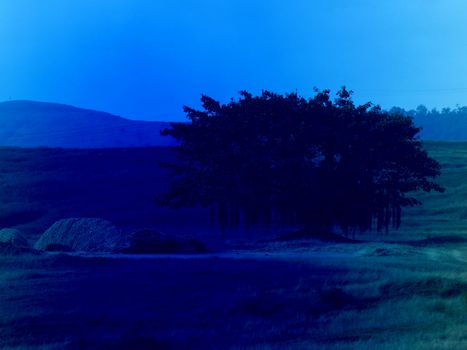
(82,234)
(154,242)
(13,242)
(14,237)
(98,235)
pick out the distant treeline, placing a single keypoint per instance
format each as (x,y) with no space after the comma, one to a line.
(445,125)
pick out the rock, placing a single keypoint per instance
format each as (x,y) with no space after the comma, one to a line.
(14,237)
(82,234)
(98,235)
(12,242)
(154,242)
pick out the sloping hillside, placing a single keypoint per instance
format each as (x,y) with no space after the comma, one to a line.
(36,124)
(39,186)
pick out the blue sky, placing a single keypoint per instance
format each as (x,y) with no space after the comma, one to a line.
(145,59)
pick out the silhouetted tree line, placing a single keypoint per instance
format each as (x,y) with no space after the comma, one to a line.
(423,111)
(444,124)
(284,158)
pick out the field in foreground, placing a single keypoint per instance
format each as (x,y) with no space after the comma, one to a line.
(409,292)
(292,296)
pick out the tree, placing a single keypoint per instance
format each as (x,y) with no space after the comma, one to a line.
(316,162)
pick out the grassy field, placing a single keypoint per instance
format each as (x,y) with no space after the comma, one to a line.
(404,290)
(442,213)
(39,186)
(361,296)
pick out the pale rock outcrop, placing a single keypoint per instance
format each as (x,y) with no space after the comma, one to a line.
(82,234)
(12,241)
(98,235)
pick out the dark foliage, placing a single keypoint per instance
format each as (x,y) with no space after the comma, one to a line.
(316,162)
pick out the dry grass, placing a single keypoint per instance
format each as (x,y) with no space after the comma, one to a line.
(410,294)
(280,301)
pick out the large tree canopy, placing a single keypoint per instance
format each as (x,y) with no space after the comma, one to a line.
(315,162)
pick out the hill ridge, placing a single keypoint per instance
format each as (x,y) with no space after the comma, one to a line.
(27,123)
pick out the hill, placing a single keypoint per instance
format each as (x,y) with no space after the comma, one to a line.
(38,186)
(40,124)
(442,214)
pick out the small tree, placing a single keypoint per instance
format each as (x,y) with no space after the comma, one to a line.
(314,161)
